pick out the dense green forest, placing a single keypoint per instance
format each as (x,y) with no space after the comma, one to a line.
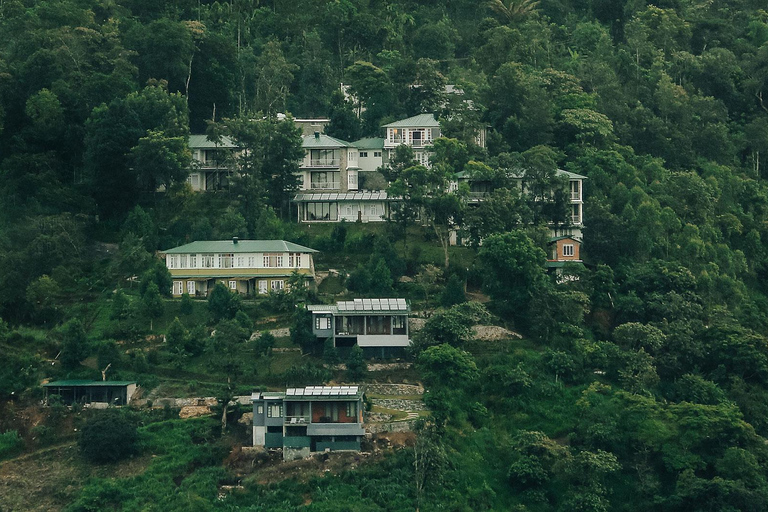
(641,385)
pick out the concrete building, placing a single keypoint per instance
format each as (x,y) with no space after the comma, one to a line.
(91,392)
(211,163)
(378,326)
(310,419)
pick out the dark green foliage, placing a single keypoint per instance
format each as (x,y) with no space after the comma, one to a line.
(357,368)
(186,306)
(108,436)
(264,344)
(176,336)
(330,354)
(305,375)
(453,293)
(152,305)
(120,306)
(10,444)
(74,345)
(301,331)
(222,303)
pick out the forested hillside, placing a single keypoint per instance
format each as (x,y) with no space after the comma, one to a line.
(641,385)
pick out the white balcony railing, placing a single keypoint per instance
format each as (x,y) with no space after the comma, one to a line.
(324,163)
(330,185)
(575,196)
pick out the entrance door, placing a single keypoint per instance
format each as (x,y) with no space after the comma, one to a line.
(191,287)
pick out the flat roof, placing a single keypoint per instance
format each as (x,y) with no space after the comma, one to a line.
(87,383)
(364,307)
(372,195)
(322,393)
(230,246)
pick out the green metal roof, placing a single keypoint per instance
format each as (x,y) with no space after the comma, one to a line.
(87,383)
(370,143)
(419,121)
(202,142)
(561,264)
(323,141)
(230,246)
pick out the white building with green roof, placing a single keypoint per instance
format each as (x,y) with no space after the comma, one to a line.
(247,267)
(419,132)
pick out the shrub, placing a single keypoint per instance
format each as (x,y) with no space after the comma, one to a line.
(10,444)
(108,436)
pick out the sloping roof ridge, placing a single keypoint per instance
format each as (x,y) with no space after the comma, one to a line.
(427,119)
(242,246)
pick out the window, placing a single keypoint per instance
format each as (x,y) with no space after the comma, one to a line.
(233,285)
(262,286)
(322,323)
(193,261)
(576,213)
(225,260)
(277,284)
(178,287)
(171,261)
(363,154)
(398,324)
(194,181)
(274,411)
(259,409)
(294,260)
(575,190)
(322,211)
(183,261)
(379,325)
(324,157)
(352,180)
(251,262)
(377,154)
(279,261)
(274,260)
(567,249)
(207,260)
(191,287)
(240,261)
(326,180)
(351,409)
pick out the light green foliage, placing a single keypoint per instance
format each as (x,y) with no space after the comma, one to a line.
(444,365)
(10,444)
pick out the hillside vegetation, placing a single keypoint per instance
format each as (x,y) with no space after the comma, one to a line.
(641,385)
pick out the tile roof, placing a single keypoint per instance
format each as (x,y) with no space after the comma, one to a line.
(229,246)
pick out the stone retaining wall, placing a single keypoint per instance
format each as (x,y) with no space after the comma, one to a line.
(400,405)
(394,426)
(394,389)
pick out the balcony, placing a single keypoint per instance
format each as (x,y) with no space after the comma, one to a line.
(575,196)
(328,185)
(324,163)
(575,219)
(304,419)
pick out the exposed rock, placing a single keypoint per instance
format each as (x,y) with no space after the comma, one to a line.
(246,419)
(493,333)
(194,411)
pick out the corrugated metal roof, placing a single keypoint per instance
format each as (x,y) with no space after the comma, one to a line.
(89,383)
(372,195)
(323,141)
(228,246)
(370,143)
(202,142)
(419,121)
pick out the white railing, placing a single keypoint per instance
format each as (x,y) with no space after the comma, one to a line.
(331,185)
(324,163)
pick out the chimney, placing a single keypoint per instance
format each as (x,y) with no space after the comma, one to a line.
(317,135)
(234,239)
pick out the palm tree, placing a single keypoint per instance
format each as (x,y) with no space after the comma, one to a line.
(512,10)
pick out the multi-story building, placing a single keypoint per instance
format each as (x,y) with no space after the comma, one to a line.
(378,326)
(210,169)
(306,420)
(478,189)
(329,184)
(418,132)
(244,266)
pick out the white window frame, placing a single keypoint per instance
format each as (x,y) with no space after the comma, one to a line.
(233,285)
(193,261)
(191,287)
(178,287)
(277,284)
(363,154)
(568,250)
(262,286)
(322,323)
